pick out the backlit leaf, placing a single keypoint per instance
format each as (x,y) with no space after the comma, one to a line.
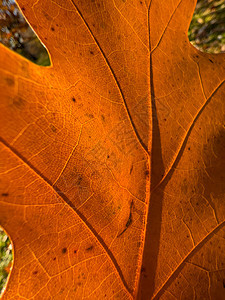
(112,159)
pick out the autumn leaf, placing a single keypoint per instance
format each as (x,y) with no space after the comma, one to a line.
(112,159)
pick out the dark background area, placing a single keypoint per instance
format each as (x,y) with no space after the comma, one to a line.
(206,32)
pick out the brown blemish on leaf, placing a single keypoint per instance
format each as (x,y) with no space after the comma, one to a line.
(18,102)
(129,221)
(10,81)
(79,180)
(131,169)
(35,272)
(5,194)
(91,116)
(53,128)
(64,250)
(47,16)
(90,248)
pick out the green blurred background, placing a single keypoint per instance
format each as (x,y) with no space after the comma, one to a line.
(206,32)
(5,258)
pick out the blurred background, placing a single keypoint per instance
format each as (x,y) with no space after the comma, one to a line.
(16,34)
(206,32)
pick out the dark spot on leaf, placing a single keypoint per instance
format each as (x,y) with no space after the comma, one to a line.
(73,99)
(75,251)
(141,2)
(103,117)
(35,272)
(53,128)
(147,172)
(5,194)
(23,8)
(224,283)
(211,61)
(54,258)
(189,148)
(131,169)
(18,102)
(129,221)
(79,180)
(52,29)
(10,81)
(64,250)
(91,52)
(108,156)
(90,248)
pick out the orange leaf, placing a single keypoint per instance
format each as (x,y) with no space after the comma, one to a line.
(112,173)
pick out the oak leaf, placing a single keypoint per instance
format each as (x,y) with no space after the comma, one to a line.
(112,159)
